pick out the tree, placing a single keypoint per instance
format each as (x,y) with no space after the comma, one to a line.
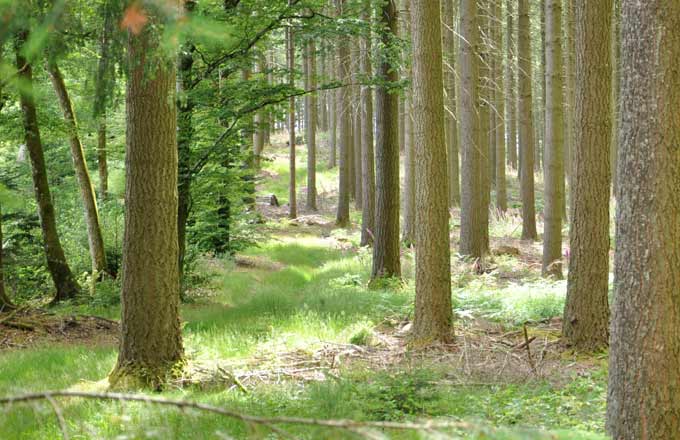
(151,344)
(64,280)
(554,141)
(433,311)
(386,247)
(471,240)
(310,123)
(644,355)
(260,120)
(586,311)
(290,57)
(5,302)
(94,231)
(344,127)
(526,128)
(510,85)
(408,200)
(367,151)
(449,48)
(499,107)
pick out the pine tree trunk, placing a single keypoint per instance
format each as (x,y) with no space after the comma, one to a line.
(356,127)
(333,117)
(344,118)
(367,151)
(5,302)
(386,247)
(484,107)
(586,311)
(310,124)
(554,142)
(290,57)
(259,122)
(94,232)
(510,85)
(408,231)
(101,90)
(644,357)
(64,280)
(526,121)
(499,111)
(151,344)
(570,104)
(471,241)
(449,48)
(433,312)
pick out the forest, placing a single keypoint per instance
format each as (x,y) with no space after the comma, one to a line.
(340,219)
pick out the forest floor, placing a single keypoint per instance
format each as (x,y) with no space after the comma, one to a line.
(289,328)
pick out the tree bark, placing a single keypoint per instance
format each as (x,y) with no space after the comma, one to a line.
(5,302)
(510,85)
(367,151)
(499,110)
(645,342)
(151,344)
(290,56)
(386,247)
(433,312)
(356,127)
(484,106)
(554,142)
(310,124)
(408,228)
(471,241)
(586,311)
(345,130)
(526,124)
(259,121)
(64,281)
(94,232)
(449,48)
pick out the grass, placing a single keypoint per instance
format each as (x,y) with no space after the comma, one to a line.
(302,291)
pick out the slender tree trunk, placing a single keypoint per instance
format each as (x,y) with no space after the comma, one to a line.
(259,122)
(64,280)
(310,123)
(499,111)
(386,247)
(344,118)
(554,142)
(323,96)
(333,116)
(433,311)
(616,84)
(5,302)
(570,104)
(290,55)
(510,85)
(356,128)
(151,344)
(449,48)
(644,357)
(586,311)
(408,232)
(94,232)
(484,106)
(471,241)
(526,120)
(367,151)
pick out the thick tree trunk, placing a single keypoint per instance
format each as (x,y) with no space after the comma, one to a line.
(644,358)
(344,119)
(526,124)
(433,311)
(310,124)
(367,151)
(484,106)
(471,241)
(386,247)
(554,142)
(290,57)
(64,281)
(408,197)
(586,311)
(449,48)
(151,344)
(94,232)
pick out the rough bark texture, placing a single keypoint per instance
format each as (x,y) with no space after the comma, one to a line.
(471,203)
(570,103)
(484,106)
(367,151)
(64,281)
(526,124)
(292,190)
(644,358)
(94,232)
(499,110)
(408,198)
(386,247)
(310,124)
(449,48)
(433,312)
(344,122)
(554,142)
(151,343)
(586,311)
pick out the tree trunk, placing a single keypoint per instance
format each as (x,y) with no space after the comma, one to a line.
(526,121)
(94,232)
(333,115)
(151,344)
(433,312)
(586,311)
(570,104)
(356,128)
(471,241)
(408,232)
(259,122)
(367,152)
(310,124)
(344,118)
(554,142)
(644,358)
(449,48)
(499,111)
(484,106)
(386,247)
(64,281)
(5,302)
(290,56)
(510,85)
